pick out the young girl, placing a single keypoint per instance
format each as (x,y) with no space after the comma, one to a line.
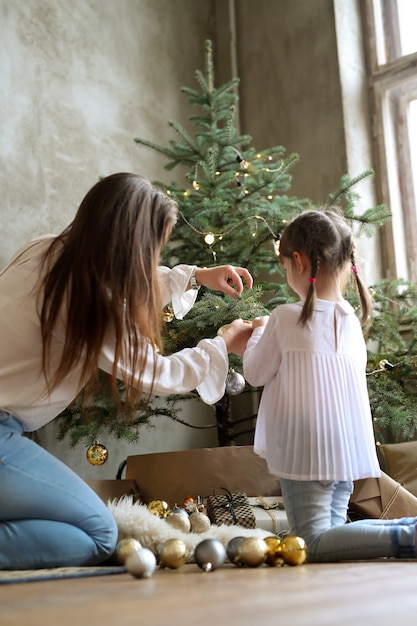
(314,425)
(91,298)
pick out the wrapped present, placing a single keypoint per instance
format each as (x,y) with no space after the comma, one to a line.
(399,460)
(382,498)
(230,508)
(270,514)
(195,472)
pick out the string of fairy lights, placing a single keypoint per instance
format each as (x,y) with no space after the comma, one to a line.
(210,237)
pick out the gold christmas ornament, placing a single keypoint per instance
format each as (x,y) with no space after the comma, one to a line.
(124,548)
(172,553)
(293,550)
(159,508)
(179,521)
(273,556)
(200,522)
(168,314)
(97,454)
(141,563)
(252,552)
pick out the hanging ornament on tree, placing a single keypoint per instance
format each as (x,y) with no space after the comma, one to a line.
(97,454)
(235,383)
(168,313)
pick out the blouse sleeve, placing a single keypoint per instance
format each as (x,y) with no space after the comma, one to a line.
(174,284)
(203,368)
(263,354)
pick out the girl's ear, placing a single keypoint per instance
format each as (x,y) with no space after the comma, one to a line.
(301,261)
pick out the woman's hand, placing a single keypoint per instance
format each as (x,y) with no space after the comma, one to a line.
(260,321)
(225,278)
(236,335)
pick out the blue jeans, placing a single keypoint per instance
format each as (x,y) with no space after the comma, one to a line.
(49,517)
(317,512)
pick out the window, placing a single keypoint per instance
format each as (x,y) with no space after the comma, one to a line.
(391,46)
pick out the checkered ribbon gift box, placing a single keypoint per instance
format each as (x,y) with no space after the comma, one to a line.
(230,508)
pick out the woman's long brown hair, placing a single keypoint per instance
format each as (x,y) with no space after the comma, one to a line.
(102,275)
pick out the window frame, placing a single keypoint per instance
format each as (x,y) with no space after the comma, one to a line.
(392,85)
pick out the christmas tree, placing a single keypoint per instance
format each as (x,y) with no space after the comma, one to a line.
(392,360)
(233,204)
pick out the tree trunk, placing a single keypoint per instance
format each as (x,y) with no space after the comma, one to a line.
(224,421)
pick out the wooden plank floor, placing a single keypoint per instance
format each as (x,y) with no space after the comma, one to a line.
(351,594)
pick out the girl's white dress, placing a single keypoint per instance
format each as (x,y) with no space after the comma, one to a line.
(314,420)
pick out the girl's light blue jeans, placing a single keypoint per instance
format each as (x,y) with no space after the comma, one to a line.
(317,512)
(49,517)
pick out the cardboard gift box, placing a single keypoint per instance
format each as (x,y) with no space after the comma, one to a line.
(230,508)
(399,460)
(110,489)
(382,498)
(270,514)
(174,476)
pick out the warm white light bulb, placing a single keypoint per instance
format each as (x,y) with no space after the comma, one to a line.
(209,239)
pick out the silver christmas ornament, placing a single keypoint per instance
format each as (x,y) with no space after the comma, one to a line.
(210,554)
(235,383)
(141,563)
(233,547)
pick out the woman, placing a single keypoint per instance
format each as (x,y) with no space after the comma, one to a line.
(88,299)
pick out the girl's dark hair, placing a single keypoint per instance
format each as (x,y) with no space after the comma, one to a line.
(101,275)
(327,240)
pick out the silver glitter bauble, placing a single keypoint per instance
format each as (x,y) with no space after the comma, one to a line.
(235,383)
(179,521)
(210,554)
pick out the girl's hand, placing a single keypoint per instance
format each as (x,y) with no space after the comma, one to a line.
(236,335)
(260,321)
(225,278)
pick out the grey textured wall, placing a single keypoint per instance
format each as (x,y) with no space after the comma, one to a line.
(78,81)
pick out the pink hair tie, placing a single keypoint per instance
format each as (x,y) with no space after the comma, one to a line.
(312,280)
(354,269)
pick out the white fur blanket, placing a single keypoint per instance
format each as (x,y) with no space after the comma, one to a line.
(134,520)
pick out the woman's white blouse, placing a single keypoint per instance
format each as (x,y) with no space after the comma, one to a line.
(314,420)
(23,390)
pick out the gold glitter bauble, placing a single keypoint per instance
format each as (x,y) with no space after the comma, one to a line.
(172,553)
(293,550)
(252,552)
(159,508)
(199,522)
(273,556)
(124,548)
(97,454)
